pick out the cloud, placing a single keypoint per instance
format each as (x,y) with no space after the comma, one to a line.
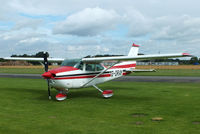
(181,28)
(99,26)
(175,28)
(28,23)
(48,7)
(14,35)
(138,23)
(20,41)
(89,22)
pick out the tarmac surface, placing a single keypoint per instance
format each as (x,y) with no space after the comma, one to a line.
(125,78)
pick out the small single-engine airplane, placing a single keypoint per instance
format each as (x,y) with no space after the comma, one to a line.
(85,72)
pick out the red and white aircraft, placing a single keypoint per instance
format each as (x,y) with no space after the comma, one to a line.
(85,72)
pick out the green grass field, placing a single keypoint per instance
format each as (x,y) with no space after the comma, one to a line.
(25,108)
(22,70)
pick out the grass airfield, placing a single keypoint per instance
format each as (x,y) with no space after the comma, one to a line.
(25,108)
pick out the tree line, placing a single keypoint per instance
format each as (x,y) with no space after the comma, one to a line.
(37,55)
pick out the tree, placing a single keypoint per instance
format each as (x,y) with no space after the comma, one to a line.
(194,60)
(2,60)
(39,54)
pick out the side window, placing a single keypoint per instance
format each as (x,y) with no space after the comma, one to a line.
(94,67)
(99,67)
(90,67)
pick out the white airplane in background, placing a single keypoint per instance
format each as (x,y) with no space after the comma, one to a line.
(85,72)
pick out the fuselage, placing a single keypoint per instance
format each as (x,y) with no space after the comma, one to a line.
(75,74)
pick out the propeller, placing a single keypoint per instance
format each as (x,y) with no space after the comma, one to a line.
(46,67)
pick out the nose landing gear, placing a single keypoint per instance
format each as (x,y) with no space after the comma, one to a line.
(62,95)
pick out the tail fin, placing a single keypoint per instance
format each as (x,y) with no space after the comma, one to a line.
(129,65)
(134,50)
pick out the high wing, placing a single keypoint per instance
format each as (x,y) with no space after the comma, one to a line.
(136,58)
(34,59)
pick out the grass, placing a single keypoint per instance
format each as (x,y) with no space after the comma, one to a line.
(22,70)
(25,108)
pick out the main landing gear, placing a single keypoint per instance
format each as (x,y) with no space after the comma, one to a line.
(105,93)
(62,95)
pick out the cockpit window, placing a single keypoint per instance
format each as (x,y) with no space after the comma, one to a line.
(79,65)
(71,62)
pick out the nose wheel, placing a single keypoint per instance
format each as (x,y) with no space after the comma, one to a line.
(105,93)
(61,96)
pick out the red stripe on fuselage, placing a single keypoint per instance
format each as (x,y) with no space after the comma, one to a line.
(124,66)
(82,77)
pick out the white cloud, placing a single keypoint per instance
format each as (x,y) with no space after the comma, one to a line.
(21,35)
(14,42)
(27,23)
(139,25)
(27,26)
(177,28)
(89,22)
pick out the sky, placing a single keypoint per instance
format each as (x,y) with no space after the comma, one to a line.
(77,28)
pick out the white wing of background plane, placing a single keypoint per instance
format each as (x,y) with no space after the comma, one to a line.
(136,58)
(34,59)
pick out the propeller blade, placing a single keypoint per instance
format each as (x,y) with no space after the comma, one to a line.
(46,67)
(49,92)
(46,64)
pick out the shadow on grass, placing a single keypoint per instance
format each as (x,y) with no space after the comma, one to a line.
(84,93)
(42,94)
(116,97)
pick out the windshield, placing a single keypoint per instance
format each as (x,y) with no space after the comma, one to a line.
(70,62)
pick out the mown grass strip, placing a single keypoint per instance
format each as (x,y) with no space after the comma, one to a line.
(25,108)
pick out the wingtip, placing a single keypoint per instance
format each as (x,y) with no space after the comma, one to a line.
(187,54)
(134,45)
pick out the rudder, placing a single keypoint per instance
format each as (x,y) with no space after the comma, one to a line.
(134,50)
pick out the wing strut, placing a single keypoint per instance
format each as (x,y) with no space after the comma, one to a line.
(100,73)
(97,88)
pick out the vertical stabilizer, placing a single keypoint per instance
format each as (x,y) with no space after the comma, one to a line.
(134,50)
(129,65)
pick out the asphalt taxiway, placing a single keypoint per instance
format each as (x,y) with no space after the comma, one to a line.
(125,78)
